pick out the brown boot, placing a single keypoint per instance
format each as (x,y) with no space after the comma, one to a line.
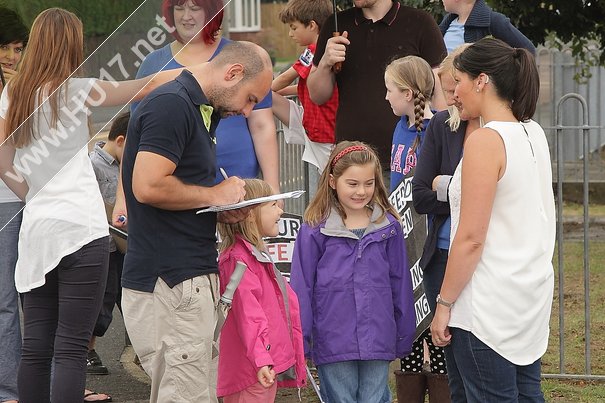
(411,387)
(439,390)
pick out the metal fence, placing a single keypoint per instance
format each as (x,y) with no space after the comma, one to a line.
(573,115)
(561,136)
(557,70)
(293,173)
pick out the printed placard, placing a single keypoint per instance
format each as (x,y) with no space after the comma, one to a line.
(280,248)
(415,232)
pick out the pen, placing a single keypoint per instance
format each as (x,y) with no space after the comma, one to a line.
(223,173)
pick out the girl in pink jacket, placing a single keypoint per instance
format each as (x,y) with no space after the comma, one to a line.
(261,344)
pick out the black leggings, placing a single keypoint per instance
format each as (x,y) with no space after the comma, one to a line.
(432,280)
(58,321)
(414,361)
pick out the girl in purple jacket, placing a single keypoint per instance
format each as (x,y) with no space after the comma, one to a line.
(350,272)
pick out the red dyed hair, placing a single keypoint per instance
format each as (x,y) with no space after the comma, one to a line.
(213,8)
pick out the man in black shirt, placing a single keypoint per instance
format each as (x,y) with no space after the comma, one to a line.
(170,282)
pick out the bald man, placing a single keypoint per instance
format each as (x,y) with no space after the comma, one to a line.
(170,281)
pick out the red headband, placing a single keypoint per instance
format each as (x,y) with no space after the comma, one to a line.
(347,150)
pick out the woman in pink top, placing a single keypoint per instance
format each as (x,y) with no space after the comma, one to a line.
(261,344)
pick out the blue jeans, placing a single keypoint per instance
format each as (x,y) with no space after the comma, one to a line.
(10,331)
(354,381)
(487,376)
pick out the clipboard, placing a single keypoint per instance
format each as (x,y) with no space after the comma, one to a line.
(259,200)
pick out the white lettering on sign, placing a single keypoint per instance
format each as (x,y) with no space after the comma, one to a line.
(416,273)
(421,306)
(401,195)
(407,222)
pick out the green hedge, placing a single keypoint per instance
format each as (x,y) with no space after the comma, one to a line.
(100,17)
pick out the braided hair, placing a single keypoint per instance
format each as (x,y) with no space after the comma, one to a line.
(413,73)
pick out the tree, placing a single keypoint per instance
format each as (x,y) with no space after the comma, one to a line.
(580,24)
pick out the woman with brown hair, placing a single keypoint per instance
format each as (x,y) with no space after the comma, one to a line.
(494,305)
(63,242)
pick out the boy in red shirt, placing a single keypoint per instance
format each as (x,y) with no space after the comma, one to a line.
(311,124)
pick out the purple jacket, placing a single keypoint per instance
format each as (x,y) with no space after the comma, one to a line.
(356,299)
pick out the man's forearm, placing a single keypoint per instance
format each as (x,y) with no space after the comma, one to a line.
(321,83)
(170,193)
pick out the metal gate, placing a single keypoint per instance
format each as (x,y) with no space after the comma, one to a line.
(559,129)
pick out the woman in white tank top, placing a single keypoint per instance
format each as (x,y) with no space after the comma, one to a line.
(494,307)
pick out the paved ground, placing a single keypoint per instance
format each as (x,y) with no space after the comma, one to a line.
(126,383)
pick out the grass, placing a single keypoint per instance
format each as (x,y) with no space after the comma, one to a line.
(557,391)
(578,391)
(574,209)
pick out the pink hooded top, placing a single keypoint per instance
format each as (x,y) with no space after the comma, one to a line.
(256,331)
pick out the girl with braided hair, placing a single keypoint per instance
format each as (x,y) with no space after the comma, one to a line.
(410,83)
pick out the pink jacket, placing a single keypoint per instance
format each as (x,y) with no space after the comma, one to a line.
(256,330)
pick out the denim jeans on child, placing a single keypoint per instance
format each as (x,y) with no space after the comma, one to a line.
(488,377)
(10,331)
(354,381)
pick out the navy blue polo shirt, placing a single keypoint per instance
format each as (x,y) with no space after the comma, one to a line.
(172,245)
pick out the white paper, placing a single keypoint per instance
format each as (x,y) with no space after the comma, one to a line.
(289,195)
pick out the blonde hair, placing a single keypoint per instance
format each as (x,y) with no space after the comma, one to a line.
(250,228)
(344,155)
(413,73)
(447,67)
(54,52)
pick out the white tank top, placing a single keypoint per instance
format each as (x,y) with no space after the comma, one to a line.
(64,209)
(507,302)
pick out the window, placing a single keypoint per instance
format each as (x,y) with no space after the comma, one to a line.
(244,15)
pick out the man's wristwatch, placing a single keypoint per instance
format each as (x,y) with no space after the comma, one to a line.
(444,302)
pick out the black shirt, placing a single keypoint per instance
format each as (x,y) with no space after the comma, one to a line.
(172,245)
(363,112)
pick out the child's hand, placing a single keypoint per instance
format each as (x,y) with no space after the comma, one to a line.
(266,376)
